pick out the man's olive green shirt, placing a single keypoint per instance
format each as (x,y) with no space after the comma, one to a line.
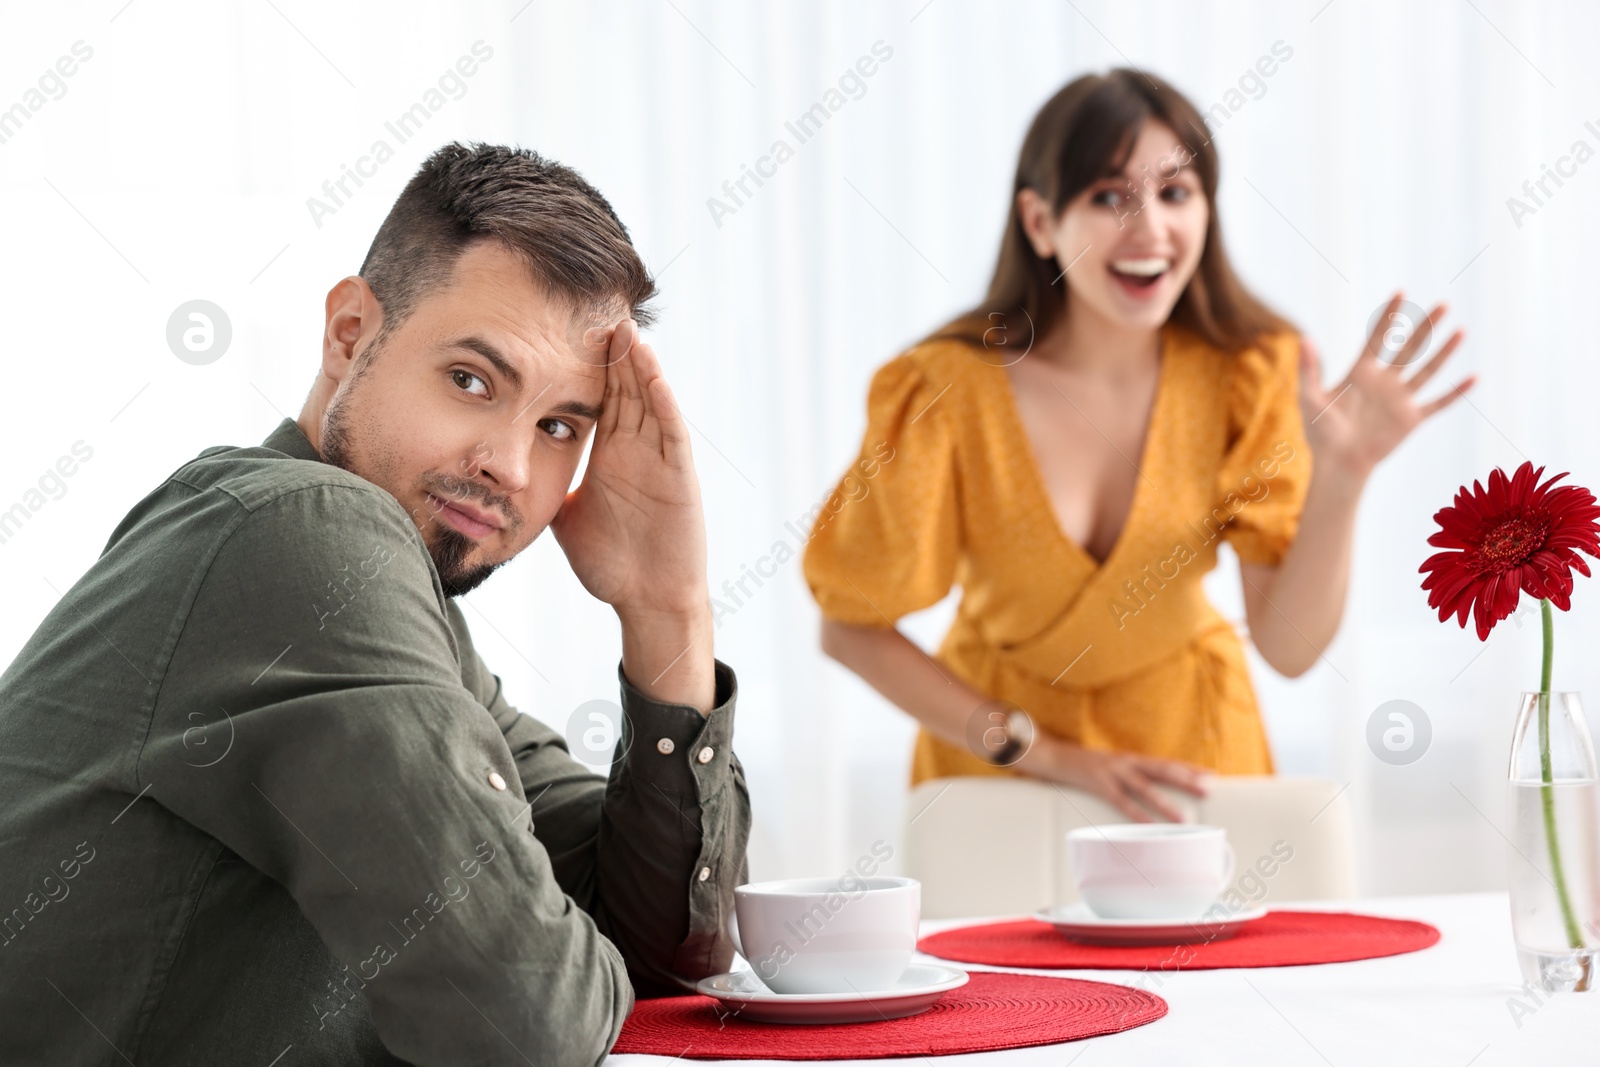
(261,802)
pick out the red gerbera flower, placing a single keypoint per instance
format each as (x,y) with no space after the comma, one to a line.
(1517,535)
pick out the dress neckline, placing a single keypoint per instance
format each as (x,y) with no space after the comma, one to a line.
(1034,474)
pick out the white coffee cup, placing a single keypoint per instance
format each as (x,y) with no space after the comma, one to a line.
(845,934)
(1150,870)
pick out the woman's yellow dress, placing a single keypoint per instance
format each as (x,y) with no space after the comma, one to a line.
(1126,655)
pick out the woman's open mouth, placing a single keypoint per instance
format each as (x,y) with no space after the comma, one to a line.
(1138,277)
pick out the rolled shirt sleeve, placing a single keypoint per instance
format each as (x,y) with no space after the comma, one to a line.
(682,812)
(654,850)
(364,775)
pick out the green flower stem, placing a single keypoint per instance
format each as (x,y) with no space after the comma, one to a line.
(1547,790)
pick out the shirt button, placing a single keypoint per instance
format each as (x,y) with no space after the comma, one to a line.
(705,872)
(665,746)
(498,782)
(705,754)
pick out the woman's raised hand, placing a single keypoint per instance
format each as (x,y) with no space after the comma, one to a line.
(1352,426)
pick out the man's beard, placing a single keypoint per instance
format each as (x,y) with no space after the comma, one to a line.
(449,553)
(448,547)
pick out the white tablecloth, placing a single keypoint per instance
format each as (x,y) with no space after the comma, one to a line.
(1446,1005)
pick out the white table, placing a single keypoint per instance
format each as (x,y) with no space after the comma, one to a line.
(1445,1005)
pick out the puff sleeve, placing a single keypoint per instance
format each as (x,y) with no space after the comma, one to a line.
(886,540)
(1266,469)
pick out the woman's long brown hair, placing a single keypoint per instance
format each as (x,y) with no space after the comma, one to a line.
(1084,133)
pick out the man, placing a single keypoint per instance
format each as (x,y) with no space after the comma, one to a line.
(259,796)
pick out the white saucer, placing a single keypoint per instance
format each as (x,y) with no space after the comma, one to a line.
(1077,922)
(741,993)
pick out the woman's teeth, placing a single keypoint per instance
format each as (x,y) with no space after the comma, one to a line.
(1140,272)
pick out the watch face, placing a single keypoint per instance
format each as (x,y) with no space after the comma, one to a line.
(987,730)
(999,732)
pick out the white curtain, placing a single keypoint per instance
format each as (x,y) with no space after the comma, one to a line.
(178,158)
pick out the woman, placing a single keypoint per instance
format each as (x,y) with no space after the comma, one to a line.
(1072,450)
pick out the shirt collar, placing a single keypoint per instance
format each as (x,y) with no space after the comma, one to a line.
(289,439)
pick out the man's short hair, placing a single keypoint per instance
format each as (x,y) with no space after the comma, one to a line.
(545,213)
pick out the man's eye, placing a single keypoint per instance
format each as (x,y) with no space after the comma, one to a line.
(561,431)
(463,380)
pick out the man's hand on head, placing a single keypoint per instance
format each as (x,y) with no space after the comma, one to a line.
(634,530)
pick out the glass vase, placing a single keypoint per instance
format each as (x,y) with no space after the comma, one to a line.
(1554,853)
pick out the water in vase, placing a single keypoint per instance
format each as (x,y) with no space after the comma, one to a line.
(1544,938)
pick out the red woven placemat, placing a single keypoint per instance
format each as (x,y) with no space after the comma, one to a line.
(992,1011)
(1280,939)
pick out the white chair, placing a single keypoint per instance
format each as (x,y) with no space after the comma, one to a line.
(994,846)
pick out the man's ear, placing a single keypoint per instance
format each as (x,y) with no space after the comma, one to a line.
(1036,220)
(353,320)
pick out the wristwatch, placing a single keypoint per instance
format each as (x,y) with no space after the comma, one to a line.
(1018,729)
